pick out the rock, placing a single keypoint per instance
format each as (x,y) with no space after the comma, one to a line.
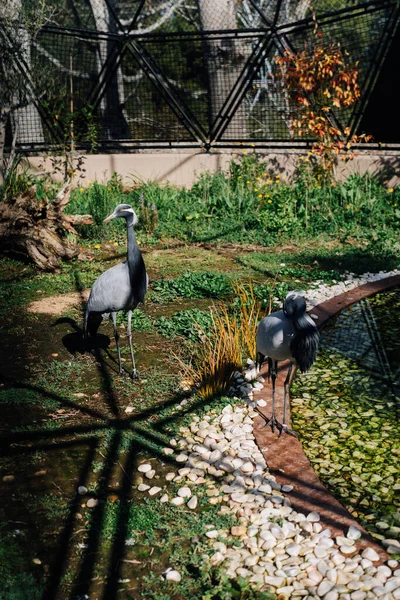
(154,490)
(172,575)
(347,549)
(293,549)
(247,467)
(287,488)
(143,487)
(144,468)
(276,582)
(215,455)
(168,451)
(177,501)
(8,478)
(353,533)
(331,595)
(239,530)
(212,534)
(82,490)
(216,558)
(192,504)
(324,587)
(344,541)
(313,517)
(358,595)
(37,561)
(92,502)
(181,458)
(170,476)
(184,492)
(150,474)
(164,498)
(371,554)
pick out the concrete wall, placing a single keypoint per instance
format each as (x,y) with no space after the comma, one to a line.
(183,168)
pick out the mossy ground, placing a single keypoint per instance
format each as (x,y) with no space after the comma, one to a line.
(65,422)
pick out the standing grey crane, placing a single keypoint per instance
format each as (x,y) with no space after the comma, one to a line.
(288,334)
(122,287)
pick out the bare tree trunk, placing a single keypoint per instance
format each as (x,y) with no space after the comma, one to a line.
(26,120)
(37,230)
(4,115)
(225,60)
(115,124)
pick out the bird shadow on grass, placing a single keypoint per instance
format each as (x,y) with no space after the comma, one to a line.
(90,443)
(88,438)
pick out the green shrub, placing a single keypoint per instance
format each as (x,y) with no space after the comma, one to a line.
(192,324)
(192,285)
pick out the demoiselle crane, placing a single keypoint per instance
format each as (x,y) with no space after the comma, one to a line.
(288,334)
(122,287)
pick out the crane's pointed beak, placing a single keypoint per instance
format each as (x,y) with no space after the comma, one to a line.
(112,216)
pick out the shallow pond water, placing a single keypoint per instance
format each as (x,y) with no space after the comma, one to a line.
(346,410)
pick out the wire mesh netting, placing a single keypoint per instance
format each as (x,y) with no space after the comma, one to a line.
(124,73)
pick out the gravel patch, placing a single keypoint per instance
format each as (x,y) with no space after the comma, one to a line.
(288,552)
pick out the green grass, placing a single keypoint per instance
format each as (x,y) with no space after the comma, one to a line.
(191,324)
(249,205)
(246,226)
(192,285)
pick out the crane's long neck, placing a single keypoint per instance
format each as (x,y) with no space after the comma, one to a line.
(133,254)
(137,270)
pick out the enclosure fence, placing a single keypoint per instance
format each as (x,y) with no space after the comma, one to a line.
(118,75)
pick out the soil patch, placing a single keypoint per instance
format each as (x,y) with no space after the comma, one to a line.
(56,305)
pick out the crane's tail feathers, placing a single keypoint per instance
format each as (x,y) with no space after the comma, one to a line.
(304,347)
(92,323)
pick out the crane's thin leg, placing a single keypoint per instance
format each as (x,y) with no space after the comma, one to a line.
(134,372)
(116,335)
(273,422)
(284,428)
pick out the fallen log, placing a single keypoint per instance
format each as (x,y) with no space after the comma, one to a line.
(37,230)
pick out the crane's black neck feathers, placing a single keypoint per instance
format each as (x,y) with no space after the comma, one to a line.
(136,266)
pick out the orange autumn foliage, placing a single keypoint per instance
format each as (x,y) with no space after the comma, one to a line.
(317,81)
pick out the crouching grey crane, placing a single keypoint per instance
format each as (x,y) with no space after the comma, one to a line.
(122,287)
(288,334)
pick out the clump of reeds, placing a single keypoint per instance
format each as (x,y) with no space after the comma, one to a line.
(230,341)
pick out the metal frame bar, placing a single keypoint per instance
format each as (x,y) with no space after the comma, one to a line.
(160,81)
(388,33)
(271,35)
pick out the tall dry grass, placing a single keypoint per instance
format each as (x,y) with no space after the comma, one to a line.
(231,340)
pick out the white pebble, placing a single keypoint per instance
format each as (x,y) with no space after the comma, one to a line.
(142,487)
(172,575)
(313,517)
(184,492)
(192,504)
(353,533)
(370,554)
(181,458)
(177,501)
(144,468)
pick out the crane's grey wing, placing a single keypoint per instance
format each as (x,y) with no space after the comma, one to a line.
(274,335)
(111,291)
(304,345)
